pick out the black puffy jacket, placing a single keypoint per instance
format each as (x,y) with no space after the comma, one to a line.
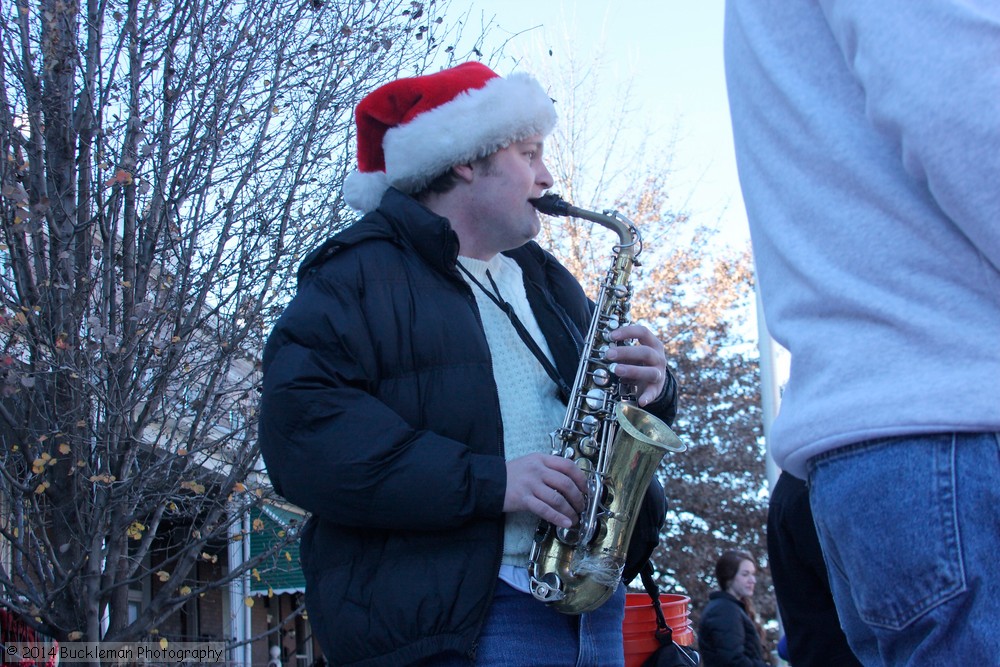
(380,416)
(726,635)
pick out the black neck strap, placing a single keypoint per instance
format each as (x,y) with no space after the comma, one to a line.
(519,327)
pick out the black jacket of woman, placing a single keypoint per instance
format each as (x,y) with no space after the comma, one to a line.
(727,637)
(381,418)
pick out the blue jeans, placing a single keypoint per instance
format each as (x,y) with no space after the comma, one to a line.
(910,529)
(520,631)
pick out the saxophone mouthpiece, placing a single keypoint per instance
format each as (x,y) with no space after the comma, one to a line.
(551,204)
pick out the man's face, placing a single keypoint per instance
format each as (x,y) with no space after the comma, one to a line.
(503,186)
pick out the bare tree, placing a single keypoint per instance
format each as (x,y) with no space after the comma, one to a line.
(692,291)
(164,166)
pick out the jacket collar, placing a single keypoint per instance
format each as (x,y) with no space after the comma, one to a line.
(429,234)
(399,219)
(432,237)
(716,595)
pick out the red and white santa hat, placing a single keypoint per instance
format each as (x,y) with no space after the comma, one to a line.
(411,131)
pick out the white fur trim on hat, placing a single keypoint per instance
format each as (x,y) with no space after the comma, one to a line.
(475,124)
(363,190)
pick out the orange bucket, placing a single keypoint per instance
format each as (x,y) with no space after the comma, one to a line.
(639,626)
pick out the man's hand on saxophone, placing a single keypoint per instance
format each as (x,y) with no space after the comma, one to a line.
(550,487)
(642,363)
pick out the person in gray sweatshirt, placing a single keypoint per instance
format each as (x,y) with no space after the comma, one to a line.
(867,138)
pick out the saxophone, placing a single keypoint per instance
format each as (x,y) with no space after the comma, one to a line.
(617,445)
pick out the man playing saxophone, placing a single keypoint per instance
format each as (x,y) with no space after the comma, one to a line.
(411,384)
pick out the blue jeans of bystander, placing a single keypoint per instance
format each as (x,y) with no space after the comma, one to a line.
(910,529)
(520,631)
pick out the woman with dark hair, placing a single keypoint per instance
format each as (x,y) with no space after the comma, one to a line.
(727,635)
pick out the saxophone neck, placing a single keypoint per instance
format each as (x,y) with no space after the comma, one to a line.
(628,235)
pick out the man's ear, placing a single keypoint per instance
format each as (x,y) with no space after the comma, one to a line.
(463,171)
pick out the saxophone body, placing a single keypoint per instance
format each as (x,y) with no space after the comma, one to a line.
(614,442)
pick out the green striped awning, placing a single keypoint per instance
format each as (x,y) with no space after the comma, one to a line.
(280,572)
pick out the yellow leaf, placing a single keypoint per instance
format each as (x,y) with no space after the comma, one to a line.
(75,636)
(288,556)
(194,487)
(163,575)
(121,176)
(256,574)
(258,524)
(239,486)
(185,590)
(40,489)
(135,530)
(270,592)
(248,601)
(163,642)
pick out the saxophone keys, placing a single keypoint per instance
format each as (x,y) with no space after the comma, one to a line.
(569,536)
(587,446)
(589,424)
(597,399)
(549,588)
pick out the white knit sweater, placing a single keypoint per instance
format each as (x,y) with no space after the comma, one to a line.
(529,406)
